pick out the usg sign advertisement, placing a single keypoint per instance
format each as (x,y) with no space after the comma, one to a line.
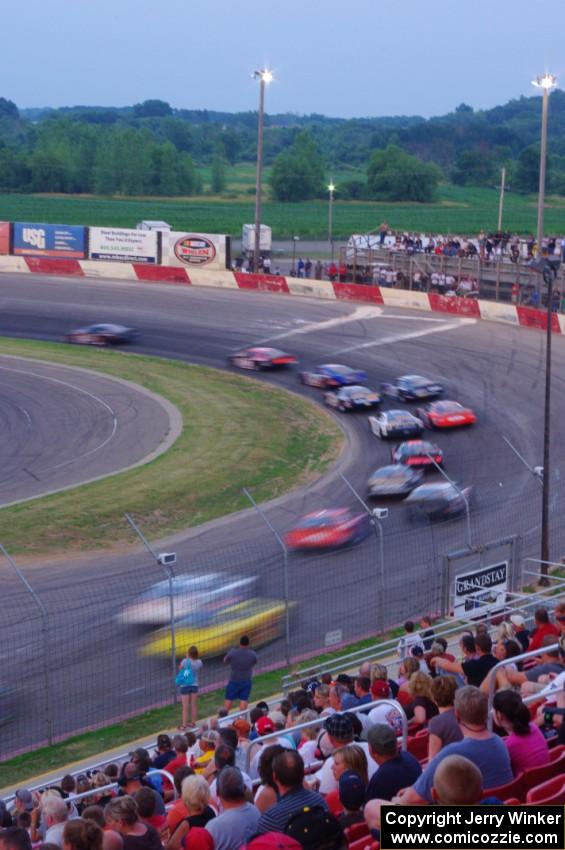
(126,246)
(203,250)
(49,240)
(481,590)
(4,237)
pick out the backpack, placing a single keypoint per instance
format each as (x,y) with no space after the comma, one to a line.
(315,828)
(185,677)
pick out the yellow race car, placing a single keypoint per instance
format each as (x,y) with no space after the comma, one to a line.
(214,632)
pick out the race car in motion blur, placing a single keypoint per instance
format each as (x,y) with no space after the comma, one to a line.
(102,335)
(328,529)
(446,414)
(417,453)
(395,423)
(214,632)
(352,398)
(333,375)
(439,499)
(210,592)
(411,387)
(261,358)
(394,480)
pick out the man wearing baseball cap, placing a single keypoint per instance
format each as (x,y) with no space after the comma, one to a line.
(339,732)
(397,769)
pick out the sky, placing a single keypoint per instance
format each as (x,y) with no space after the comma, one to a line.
(346,59)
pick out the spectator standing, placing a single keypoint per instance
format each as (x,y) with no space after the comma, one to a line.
(396,769)
(443,728)
(525,743)
(318,270)
(427,634)
(383,230)
(242,661)
(485,750)
(187,681)
(239,818)
(332,271)
(308,267)
(300,267)
(410,639)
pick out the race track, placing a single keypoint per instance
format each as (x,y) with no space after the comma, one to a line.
(498,370)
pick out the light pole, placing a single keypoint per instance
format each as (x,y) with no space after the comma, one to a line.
(295,239)
(265,76)
(331,190)
(545,82)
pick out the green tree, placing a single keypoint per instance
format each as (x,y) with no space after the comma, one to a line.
(475,167)
(152,109)
(218,171)
(394,175)
(8,108)
(298,174)
(526,173)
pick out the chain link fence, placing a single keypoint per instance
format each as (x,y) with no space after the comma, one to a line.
(82,651)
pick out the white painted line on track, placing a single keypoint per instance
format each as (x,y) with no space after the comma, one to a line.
(359,314)
(387,340)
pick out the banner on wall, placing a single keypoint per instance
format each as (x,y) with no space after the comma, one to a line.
(49,240)
(126,246)
(4,237)
(200,250)
(480,591)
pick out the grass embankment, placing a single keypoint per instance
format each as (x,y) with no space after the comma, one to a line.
(28,765)
(237,432)
(457,210)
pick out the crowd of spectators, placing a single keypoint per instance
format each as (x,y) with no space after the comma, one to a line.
(236,782)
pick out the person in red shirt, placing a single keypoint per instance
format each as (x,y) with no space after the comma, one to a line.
(543,627)
(146,808)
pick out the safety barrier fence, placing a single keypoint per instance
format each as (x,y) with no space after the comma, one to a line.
(525,656)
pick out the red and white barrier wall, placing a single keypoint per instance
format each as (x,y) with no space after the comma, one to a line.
(307,288)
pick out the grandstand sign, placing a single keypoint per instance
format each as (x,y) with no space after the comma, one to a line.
(480,591)
(333,638)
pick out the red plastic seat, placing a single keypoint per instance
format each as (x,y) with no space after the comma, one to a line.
(417,745)
(366,843)
(356,831)
(550,793)
(516,788)
(556,752)
(536,775)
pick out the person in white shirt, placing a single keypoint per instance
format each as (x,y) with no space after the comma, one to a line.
(410,639)
(55,815)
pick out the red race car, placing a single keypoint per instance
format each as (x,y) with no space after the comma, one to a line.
(417,453)
(446,414)
(261,358)
(328,529)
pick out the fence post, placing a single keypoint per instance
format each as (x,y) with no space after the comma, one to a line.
(170,577)
(279,540)
(45,641)
(378,528)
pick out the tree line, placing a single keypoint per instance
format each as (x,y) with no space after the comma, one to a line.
(152,149)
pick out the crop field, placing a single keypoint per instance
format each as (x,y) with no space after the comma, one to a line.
(458,210)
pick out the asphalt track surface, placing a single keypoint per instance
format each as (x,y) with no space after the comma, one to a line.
(60,427)
(96,673)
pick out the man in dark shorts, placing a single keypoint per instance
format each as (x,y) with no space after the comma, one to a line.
(241,661)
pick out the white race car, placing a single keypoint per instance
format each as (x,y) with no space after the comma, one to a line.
(395,423)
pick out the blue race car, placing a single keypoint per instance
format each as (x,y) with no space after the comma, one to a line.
(412,387)
(330,375)
(352,398)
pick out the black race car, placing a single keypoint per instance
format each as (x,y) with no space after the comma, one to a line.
(412,388)
(394,480)
(102,335)
(352,398)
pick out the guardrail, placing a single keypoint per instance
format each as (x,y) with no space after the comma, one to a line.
(272,736)
(516,602)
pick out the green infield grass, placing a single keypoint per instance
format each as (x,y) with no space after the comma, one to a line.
(237,432)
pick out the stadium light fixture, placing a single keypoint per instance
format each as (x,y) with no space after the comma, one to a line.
(265,77)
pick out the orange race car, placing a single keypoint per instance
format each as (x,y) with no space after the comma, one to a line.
(328,529)
(446,414)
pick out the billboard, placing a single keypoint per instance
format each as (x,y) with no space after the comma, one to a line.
(196,250)
(126,246)
(49,240)
(480,591)
(4,237)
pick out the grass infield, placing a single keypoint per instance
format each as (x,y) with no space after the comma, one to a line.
(237,432)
